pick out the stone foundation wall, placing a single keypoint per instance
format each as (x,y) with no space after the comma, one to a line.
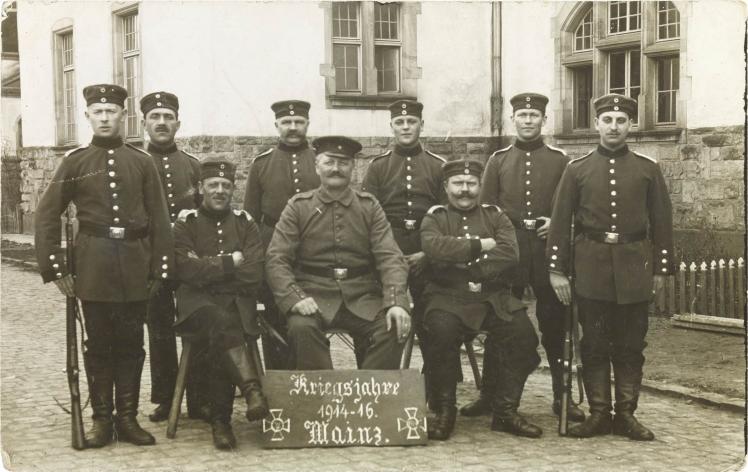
(704,170)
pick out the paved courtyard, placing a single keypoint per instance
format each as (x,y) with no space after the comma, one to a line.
(36,431)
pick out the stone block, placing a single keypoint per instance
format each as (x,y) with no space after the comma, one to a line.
(732,169)
(721,215)
(691,169)
(382,141)
(223,143)
(716,139)
(714,190)
(690,151)
(440,148)
(731,153)
(460,147)
(476,148)
(689,191)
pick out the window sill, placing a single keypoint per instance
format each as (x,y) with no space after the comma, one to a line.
(671,135)
(65,147)
(371,102)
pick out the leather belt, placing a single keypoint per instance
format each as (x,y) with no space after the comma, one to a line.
(528,224)
(615,238)
(473,287)
(337,273)
(406,224)
(269,220)
(113,232)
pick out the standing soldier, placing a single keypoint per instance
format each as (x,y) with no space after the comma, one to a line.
(333,263)
(407,181)
(275,176)
(521,179)
(179,173)
(219,260)
(469,246)
(621,210)
(123,251)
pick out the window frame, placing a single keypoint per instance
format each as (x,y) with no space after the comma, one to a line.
(119,57)
(66,133)
(368,96)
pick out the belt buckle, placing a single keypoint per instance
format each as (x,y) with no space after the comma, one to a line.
(340,273)
(611,238)
(530,224)
(116,232)
(410,224)
(475,287)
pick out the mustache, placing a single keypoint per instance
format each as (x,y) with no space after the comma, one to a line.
(162,128)
(336,173)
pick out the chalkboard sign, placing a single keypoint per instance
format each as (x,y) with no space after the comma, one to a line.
(334,408)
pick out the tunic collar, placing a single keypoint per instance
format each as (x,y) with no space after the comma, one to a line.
(345,198)
(162,150)
(620,152)
(529,145)
(285,147)
(461,211)
(411,151)
(214,215)
(107,143)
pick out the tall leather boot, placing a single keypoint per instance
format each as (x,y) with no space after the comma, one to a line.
(127,396)
(505,404)
(482,406)
(221,407)
(557,381)
(100,390)
(198,383)
(241,369)
(597,388)
(627,385)
(445,399)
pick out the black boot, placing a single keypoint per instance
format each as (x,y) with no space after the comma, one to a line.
(242,370)
(446,411)
(100,389)
(198,384)
(597,387)
(505,404)
(223,435)
(628,378)
(161,413)
(625,424)
(127,396)
(557,381)
(574,412)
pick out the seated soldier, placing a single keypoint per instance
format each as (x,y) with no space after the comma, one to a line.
(333,263)
(219,262)
(470,246)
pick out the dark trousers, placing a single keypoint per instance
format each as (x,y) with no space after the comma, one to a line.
(510,345)
(222,331)
(613,334)
(162,345)
(275,353)
(310,348)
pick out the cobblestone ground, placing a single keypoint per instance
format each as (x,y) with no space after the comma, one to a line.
(36,431)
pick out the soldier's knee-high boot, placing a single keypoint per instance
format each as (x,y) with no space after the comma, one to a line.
(221,407)
(127,397)
(597,388)
(100,390)
(242,370)
(482,406)
(628,376)
(444,398)
(557,381)
(505,403)
(199,384)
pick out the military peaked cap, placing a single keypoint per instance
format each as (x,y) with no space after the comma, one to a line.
(462,167)
(105,93)
(406,107)
(217,166)
(291,108)
(616,102)
(337,146)
(159,100)
(529,101)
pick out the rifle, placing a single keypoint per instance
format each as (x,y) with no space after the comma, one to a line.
(71,312)
(571,341)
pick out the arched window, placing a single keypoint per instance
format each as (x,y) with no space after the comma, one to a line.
(626,47)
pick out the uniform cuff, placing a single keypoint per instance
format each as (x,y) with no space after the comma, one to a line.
(162,270)
(395,296)
(50,275)
(289,301)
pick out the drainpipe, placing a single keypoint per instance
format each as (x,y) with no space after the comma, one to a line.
(496,100)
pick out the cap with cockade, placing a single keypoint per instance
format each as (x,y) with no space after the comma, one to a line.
(159,100)
(105,93)
(616,102)
(337,146)
(406,107)
(529,101)
(462,167)
(217,166)
(291,108)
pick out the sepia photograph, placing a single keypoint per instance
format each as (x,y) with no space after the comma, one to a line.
(373,235)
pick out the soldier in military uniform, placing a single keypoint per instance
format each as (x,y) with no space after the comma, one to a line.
(219,260)
(521,179)
(407,181)
(624,245)
(123,251)
(275,176)
(469,247)
(333,263)
(179,173)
